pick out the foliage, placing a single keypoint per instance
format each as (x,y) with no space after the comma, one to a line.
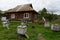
(48,16)
(0,13)
(43,12)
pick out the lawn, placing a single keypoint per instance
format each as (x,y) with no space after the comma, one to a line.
(11,33)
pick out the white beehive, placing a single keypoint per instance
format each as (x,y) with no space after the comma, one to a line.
(22,29)
(55,27)
(3,18)
(47,24)
(5,24)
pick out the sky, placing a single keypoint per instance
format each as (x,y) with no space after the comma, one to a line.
(51,5)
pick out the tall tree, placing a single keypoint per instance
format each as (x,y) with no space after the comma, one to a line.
(43,12)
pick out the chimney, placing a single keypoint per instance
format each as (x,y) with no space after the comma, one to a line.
(31,6)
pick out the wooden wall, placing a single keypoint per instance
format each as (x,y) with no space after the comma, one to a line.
(19,15)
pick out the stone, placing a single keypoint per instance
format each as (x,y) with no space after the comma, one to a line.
(40,37)
(26,35)
(20,36)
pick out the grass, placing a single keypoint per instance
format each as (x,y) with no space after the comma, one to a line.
(11,34)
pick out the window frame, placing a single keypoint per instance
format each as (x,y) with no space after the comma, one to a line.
(12,16)
(26,15)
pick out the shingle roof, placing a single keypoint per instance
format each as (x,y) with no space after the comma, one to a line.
(26,7)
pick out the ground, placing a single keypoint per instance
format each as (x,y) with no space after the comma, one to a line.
(11,33)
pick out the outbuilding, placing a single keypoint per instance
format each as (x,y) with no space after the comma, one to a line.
(21,12)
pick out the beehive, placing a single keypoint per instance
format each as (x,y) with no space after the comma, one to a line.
(22,29)
(55,27)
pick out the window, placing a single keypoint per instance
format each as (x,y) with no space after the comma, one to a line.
(12,15)
(26,15)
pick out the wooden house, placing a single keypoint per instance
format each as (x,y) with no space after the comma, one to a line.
(21,12)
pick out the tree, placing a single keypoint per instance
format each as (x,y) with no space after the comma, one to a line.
(48,16)
(0,13)
(43,12)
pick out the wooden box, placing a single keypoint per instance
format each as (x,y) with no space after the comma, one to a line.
(22,29)
(55,27)
(47,24)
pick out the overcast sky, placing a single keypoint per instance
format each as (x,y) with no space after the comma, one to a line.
(51,5)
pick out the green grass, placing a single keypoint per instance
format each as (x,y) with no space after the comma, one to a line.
(11,34)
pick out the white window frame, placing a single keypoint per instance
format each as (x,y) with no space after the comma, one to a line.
(12,16)
(26,15)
